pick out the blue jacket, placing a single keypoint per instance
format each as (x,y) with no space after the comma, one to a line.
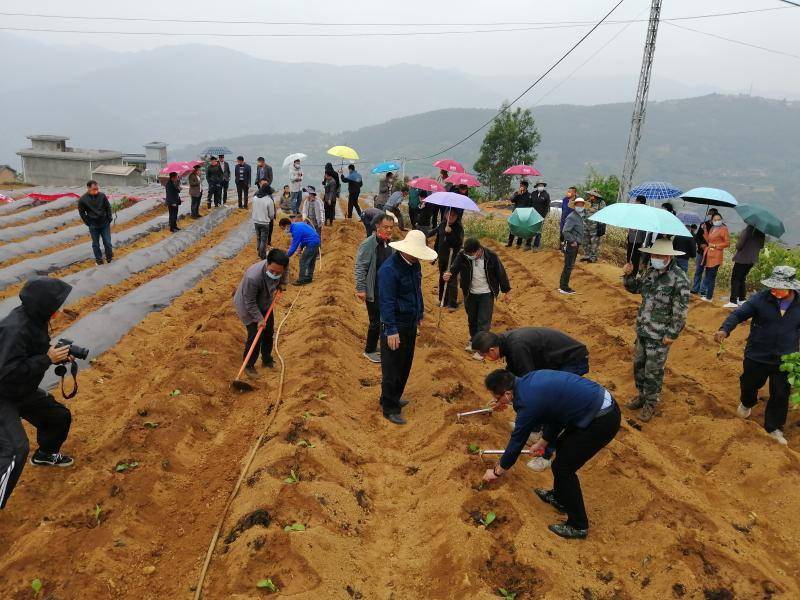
(303,235)
(400,294)
(565,210)
(771,335)
(555,399)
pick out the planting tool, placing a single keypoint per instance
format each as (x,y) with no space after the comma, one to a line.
(238,383)
(479,411)
(483,453)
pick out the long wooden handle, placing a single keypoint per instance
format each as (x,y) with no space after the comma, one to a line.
(258,333)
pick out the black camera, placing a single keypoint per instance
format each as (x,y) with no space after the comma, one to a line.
(74,351)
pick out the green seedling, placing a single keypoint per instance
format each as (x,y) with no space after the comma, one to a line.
(97,512)
(307,415)
(505,594)
(306,444)
(174,393)
(473,448)
(488,519)
(790,364)
(721,350)
(292,478)
(150,425)
(125,466)
(36,586)
(321,396)
(295,527)
(266,584)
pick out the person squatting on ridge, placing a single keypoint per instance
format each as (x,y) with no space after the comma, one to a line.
(775,332)
(95,211)
(402,309)
(576,415)
(662,314)
(252,300)
(528,349)
(371,255)
(483,277)
(25,357)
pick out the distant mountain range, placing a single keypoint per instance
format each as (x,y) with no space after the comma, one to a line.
(743,144)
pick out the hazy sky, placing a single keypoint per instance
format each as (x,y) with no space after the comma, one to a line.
(694,60)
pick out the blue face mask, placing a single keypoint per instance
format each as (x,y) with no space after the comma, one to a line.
(272,275)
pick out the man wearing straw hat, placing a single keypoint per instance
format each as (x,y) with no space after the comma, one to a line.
(402,308)
(665,303)
(775,332)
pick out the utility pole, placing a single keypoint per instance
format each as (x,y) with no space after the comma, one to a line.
(640,105)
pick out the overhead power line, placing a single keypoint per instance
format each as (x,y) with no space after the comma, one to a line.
(735,41)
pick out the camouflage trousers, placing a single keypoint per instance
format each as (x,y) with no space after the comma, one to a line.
(591,241)
(649,359)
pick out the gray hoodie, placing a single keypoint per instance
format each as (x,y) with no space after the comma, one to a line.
(255,292)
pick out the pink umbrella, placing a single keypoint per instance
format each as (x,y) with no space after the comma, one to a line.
(5,199)
(450,165)
(427,184)
(181,168)
(463,179)
(522,170)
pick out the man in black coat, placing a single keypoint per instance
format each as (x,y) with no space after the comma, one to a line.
(263,171)
(95,211)
(354,183)
(242,175)
(530,348)
(226,177)
(775,332)
(173,187)
(540,200)
(25,357)
(214,178)
(522,199)
(483,277)
(449,237)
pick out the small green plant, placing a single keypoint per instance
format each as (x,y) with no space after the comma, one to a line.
(473,448)
(36,586)
(306,444)
(505,594)
(307,415)
(292,478)
(790,364)
(488,519)
(151,425)
(266,584)
(174,393)
(97,512)
(123,466)
(295,527)
(321,396)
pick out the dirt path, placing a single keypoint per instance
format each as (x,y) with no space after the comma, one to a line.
(390,510)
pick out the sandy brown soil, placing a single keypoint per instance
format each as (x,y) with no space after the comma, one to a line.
(696,504)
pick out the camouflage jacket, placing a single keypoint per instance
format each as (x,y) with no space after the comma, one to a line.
(591,208)
(665,301)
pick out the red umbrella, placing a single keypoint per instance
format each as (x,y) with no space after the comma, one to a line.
(522,170)
(427,184)
(5,199)
(463,179)
(450,165)
(181,168)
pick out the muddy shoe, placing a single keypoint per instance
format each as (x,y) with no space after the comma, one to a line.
(269,363)
(635,404)
(777,435)
(549,497)
(42,459)
(568,531)
(403,402)
(396,419)
(648,412)
(372,357)
(251,372)
(743,411)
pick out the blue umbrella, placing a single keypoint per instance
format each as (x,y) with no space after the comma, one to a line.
(642,218)
(709,197)
(385,167)
(688,217)
(216,151)
(655,190)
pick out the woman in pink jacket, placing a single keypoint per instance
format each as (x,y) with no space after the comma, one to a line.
(718,239)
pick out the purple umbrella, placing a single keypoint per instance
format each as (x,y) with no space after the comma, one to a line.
(452,200)
(688,217)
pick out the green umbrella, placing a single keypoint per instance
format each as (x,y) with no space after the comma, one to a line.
(761,219)
(525,222)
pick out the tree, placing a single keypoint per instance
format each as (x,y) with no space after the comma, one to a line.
(512,139)
(608,186)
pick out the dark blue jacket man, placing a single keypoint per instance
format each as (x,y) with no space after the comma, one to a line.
(576,414)
(775,332)
(305,237)
(402,308)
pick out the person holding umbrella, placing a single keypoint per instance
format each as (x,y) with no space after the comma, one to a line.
(636,239)
(449,238)
(592,232)
(717,239)
(775,332)
(540,200)
(402,308)
(214,175)
(296,185)
(662,315)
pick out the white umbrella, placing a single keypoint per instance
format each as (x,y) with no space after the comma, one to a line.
(293,157)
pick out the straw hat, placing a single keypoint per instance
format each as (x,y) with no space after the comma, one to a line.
(663,247)
(414,244)
(572,203)
(782,278)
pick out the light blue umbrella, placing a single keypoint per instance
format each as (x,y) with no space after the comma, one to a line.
(655,190)
(709,197)
(385,167)
(641,217)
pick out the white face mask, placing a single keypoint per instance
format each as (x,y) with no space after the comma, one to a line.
(272,275)
(659,263)
(539,188)
(717,223)
(579,209)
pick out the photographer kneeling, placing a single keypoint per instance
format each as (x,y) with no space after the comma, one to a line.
(25,356)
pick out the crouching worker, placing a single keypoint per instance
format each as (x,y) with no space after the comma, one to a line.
(25,356)
(252,300)
(305,238)
(584,413)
